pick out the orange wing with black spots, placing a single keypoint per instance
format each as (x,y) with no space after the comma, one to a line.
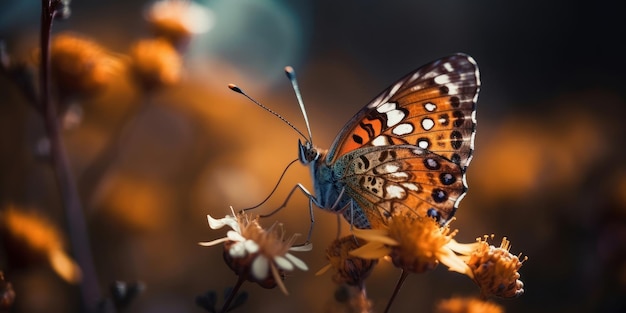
(402,179)
(432,108)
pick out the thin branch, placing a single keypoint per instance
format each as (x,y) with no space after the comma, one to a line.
(77,228)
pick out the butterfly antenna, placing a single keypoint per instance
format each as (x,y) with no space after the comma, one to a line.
(235,88)
(291,74)
(275,187)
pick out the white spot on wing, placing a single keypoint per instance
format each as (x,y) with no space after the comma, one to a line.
(448,67)
(399,175)
(394,191)
(427,124)
(390,168)
(429,106)
(380,141)
(394,117)
(442,79)
(418,151)
(410,186)
(422,144)
(403,129)
(453,89)
(386,107)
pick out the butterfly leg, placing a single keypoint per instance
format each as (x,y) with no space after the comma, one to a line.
(282,206)
(338,226)
(312,200)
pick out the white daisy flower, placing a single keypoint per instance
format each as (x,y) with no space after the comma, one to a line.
(253,252)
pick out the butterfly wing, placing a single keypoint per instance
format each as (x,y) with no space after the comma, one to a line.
(402,179)
(432,107)
(406,152)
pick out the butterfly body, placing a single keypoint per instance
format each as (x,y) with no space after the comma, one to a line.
(330,190)
(406,152)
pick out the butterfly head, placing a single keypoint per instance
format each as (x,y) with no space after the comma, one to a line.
(307,152)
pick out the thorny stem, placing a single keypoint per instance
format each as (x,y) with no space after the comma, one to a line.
(233,294)
(403,276)
(77,229)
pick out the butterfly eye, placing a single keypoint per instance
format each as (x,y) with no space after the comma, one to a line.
(308,153)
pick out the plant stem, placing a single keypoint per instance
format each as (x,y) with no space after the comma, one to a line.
(233,294)
(77,228)
(403,276)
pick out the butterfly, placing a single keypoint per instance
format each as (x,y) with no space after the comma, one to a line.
(406,152)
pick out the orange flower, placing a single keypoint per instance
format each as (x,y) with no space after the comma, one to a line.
(81,66)
(349,269)
(415,244)
(39,239)
(418,244)
(495,269)
(467,305)
(156,63)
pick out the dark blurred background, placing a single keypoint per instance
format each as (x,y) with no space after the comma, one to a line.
(548,171)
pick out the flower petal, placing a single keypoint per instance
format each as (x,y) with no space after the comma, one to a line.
(237,250)
(324,269)
(463,248)
(297,262)
(227,220)
(278,280)
(213,242)
(371,250)
(454,262)
(260,267)
(235,236)
(377,235)
(283,263)
(251,246)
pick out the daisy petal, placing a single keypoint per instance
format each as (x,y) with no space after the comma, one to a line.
(216,223)
(235,236)
(213,242)
(283,263)
(251,246)
(297,262)
(260,267)
(219,223)
(279,280)
(237,250)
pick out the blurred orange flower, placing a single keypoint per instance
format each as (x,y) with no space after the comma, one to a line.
(467,305)
(155,63)
(178,20)
(350,270)
(38,240)
(80,66)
